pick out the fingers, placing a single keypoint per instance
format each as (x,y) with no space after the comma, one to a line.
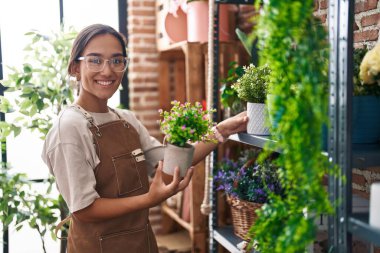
(176,175)
(186,180)
(173,185)
(160,165)
(158,174)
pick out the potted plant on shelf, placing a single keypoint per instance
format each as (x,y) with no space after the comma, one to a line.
(366,100)
(247,185)
(182,124)
(252,87)
(229,99)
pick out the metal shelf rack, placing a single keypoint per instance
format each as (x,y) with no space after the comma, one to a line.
(344,223)
(223,235)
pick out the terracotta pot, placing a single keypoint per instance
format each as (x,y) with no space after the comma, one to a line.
(177,156)
(176,26)
(197,22)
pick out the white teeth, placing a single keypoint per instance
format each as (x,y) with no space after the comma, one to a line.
(104,83)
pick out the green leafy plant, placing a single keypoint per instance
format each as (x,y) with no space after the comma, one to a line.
(187,122)
(252,86)
(36,93)
(41,87)
(294,44)
(22,204)
(228,96)
(245,40)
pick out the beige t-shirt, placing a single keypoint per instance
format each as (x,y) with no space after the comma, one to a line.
(70,154)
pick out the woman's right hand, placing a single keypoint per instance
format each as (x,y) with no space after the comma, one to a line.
(159,191)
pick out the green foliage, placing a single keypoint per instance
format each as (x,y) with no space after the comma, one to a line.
(245,40)
(39,89)
(36,92)
(252,86)
(21,204)
(228,96)
(294,44)
(186,122)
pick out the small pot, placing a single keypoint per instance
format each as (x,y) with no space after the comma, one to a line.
(178,156)
(257,114)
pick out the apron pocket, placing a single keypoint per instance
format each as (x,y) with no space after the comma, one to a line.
(127,174)
(133,241)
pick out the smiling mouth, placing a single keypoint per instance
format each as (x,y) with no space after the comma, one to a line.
(104,83)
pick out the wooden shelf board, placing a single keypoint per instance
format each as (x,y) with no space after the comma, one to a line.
(174,242)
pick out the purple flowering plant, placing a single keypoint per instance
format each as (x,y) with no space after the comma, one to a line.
(247,180)
(187,122)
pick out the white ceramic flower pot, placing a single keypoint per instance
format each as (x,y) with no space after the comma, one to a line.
(257,117)
(178,156)
(374,205)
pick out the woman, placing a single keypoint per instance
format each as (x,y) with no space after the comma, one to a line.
(99,156)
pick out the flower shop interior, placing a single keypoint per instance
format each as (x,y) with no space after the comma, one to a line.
(305,175)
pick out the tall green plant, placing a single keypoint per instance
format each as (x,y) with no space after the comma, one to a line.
(294,44)
(42,86)
(36,93)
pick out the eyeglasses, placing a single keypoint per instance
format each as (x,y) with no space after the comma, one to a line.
(96,63)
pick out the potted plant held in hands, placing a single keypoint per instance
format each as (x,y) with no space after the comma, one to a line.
(182,124)
(252,87)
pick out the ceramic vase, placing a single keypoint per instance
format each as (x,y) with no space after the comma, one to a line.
(257,119)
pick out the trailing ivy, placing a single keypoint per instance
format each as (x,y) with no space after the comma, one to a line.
(294,45)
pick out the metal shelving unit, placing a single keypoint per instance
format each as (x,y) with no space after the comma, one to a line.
(224,235)
(344,223)
(254,140)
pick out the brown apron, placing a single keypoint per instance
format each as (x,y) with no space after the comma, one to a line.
(121,173)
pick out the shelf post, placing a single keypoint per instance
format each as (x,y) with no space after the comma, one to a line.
(340,20)
(213,217)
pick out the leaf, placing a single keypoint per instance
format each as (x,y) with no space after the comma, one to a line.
(27,68)
(245,40)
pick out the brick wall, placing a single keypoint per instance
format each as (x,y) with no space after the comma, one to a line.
(143,72)
(143,69)
(366,24)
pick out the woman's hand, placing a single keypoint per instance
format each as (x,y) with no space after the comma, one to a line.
(233,125)
(159,191)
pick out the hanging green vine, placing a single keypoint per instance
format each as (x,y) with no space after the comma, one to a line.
(294,45)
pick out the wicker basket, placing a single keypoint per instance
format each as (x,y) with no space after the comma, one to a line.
(243,215)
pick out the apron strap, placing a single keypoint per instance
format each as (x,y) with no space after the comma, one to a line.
(60,225)
(120,118)
(89,118)
(84,112)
